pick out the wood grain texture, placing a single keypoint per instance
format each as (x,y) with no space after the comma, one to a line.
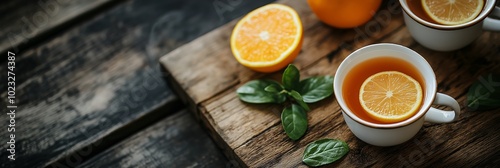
(80,87)
(159,146)
(96,84)
(24,22)
(252,134)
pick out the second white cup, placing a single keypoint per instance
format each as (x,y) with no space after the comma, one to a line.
(450,37)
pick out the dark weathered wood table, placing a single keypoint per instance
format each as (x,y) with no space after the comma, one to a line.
(89,92)
(206,76)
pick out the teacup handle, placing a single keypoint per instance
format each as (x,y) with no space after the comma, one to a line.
(441,116)
(490,23)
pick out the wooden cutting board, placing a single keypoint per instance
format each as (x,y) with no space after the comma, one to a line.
(205,74)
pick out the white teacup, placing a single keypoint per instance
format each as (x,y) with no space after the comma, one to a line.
(450,37)
(399,132)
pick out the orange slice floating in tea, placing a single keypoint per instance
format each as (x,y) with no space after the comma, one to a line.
(452,12)
(268,38)
(390,96)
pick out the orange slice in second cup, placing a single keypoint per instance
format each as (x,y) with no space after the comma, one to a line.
(390,96)
(452,12)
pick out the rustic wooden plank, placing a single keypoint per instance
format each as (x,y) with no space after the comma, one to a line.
(218,54)
(173,142)
(26,22)
(199,86)
(252,134)
(78,91)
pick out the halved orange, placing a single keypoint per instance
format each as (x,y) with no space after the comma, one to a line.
(390,96)
(452,12)
(268,38)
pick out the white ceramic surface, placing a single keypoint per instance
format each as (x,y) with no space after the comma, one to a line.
(447,38)
(394,133)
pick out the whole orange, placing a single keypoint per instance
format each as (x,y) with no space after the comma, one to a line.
(344,13)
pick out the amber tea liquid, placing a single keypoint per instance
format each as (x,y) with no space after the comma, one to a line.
(359,73)
(416,7)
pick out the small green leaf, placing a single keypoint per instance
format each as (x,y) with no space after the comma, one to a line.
(315,89)
(484,94)
(294,121)
(324,151)
(291,78)
(254,92)
(273,88)
(296,96)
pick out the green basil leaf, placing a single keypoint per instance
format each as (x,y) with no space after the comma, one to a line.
(294,121)
(296,96)
(484,94)
(291,77)
(324,151)
(254,92)
(273,88)
(315,89)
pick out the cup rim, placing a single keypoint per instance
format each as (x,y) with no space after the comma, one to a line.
(488,7)
(426,105)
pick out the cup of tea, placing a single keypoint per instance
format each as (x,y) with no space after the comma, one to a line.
(386,57)
(444,37)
